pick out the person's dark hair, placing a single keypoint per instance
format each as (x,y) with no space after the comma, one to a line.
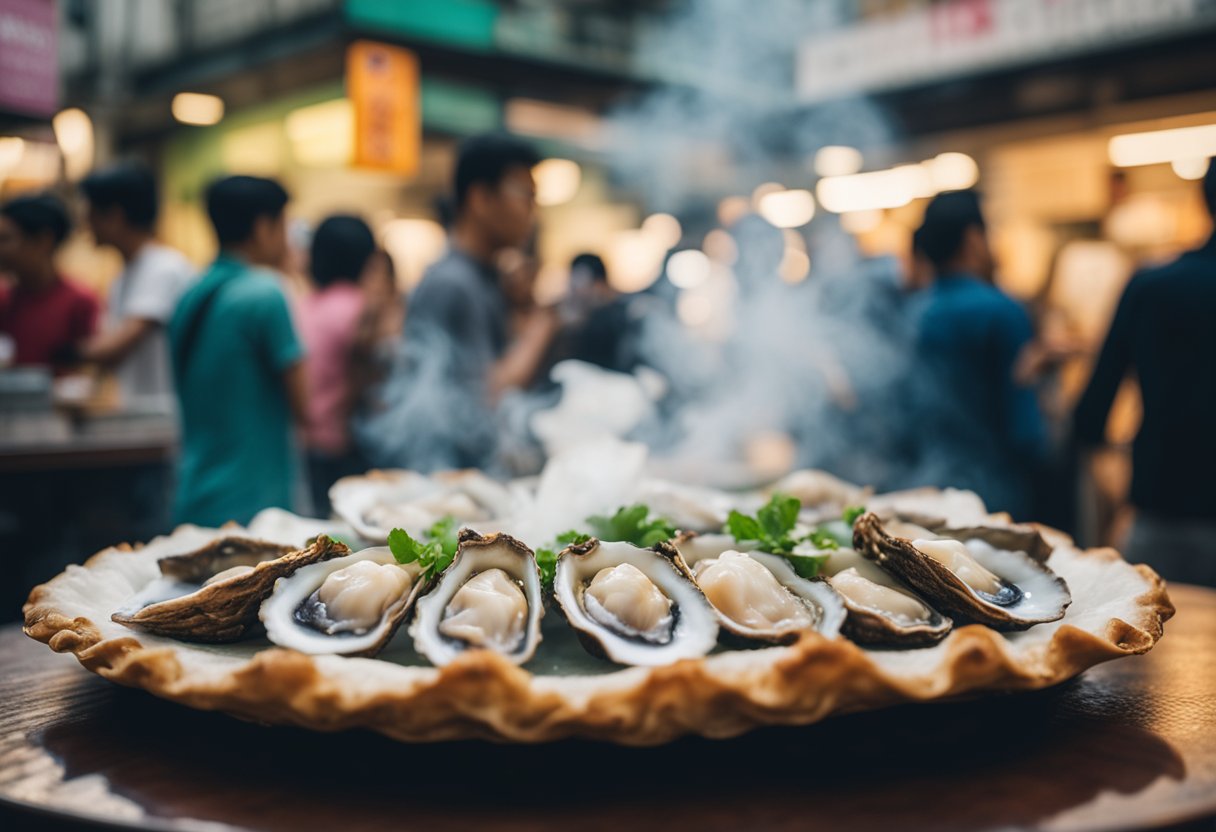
(341,246)
(947,218)
(486,159)
(234,204)
(39,214)
(1209,187)
(593,264)
(129,185)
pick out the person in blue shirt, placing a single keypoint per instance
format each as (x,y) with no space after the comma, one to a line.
(237,364)
(982,429)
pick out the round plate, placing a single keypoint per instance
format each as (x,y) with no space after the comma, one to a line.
(1117,610)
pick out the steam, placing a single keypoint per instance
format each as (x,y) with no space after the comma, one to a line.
(825,363)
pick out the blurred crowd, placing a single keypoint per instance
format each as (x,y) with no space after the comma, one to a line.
(277,383)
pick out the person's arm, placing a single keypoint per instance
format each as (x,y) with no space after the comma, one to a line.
(519,364)
(295,382)
(1089,419)
(110,348)
(1023,419)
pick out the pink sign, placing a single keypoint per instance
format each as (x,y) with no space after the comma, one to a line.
(29,58)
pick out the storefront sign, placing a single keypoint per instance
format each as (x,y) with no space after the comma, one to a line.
(382,84)
(29,59)
(962,37)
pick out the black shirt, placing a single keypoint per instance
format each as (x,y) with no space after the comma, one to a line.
(1165,329)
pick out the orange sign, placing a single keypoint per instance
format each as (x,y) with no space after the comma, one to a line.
(382,85)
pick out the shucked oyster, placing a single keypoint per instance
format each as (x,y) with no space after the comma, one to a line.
(882,611)
(351,605)
(988,576)
(633,606)
(213,594)
(758,596)
(489,598)
(377,502)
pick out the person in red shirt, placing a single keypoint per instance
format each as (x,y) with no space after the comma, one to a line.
(45,315)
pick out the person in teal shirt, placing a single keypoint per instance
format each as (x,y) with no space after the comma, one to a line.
(237,364)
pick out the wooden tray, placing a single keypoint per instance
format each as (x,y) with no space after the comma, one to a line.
(1130,744)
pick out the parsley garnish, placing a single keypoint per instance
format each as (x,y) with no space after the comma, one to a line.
(546,556)
(771,527)
(851,513)
(434,555)
(631,525)
(772,530)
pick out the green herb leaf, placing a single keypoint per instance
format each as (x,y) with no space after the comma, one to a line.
(447,534)
(807,566)
(546,561)
(770,527)
(742,527)
(433,556)
(404,548)
(572,538)
(631,525)
(851,513)
(778,516)
(823,540)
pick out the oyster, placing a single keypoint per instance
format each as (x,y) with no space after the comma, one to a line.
(633,606)
(488,598)
(882,611)
(377,502)
(980,574)
(758,596)
(213,594)
(351,605)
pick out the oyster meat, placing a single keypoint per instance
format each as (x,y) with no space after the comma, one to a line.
(489,598)
(350,606)
(213,593)
(995,576)
(633,606)
(758,596)
(882,611)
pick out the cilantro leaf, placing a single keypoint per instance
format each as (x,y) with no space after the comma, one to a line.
(434,556)
(851,513)
(742,527)
(631,525)
(806,566)
(404,548)
(771,529)
(572,538)
(822,539)
(546,561)
(778,516)
(446,533)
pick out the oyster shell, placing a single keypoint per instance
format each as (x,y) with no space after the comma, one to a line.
(379,501)
(350,605)
(213,594)
(881,610)
(981,574)
(758,596)
(633,606)
(488,598)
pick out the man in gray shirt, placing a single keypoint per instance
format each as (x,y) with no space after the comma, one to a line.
(122,212)
(461,354)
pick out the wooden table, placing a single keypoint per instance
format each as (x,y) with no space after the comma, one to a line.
(1129,745)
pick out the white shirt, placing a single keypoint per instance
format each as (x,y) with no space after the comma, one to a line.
(149,288)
